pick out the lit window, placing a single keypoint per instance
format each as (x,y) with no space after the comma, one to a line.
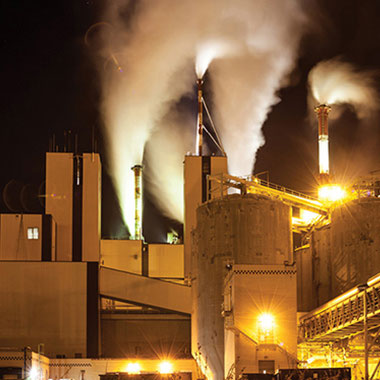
(32,233)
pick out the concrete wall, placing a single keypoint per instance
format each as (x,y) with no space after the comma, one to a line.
(249,229)
(59,199)
(321,248)
(125,255)
(79,369)
(26,361)
(142,290)
(342,255)
(355,243)
(74,201)
(145,336)
(14,242)
(195,174)
(17,245)
(90,369)
(305,288)
(45,302)
(166,261)
(258,289)
(314,270)
(91,219)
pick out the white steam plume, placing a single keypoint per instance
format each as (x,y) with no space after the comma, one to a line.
(164,154)
(140,95)
(266,35)
(250,47)
(337,82)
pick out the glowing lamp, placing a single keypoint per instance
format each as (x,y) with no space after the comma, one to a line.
(33,373)
(266,322)
(331,193)
(165,367)
(266,327)
(133,368)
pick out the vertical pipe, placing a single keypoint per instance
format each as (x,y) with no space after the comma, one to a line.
(363,288)
(365,335)
(322,112)
(137,169)
(200,117)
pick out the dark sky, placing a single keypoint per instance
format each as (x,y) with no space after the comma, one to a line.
(49,84)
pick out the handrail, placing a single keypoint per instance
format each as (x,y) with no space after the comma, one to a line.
(343,315)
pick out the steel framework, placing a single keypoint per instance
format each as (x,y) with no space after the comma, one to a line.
(344,315)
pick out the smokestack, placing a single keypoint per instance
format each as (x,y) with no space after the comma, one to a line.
(200,117)
(137,169)
(322,112)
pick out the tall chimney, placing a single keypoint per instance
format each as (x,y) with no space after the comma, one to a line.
(137,169)
(322,112)
(200,117)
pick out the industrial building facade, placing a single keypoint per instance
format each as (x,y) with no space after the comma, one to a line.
(222,305)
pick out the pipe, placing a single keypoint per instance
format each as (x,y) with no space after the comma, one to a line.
(200,117)
(322,112)
(137,169)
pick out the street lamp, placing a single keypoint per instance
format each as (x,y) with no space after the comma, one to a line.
(363,288)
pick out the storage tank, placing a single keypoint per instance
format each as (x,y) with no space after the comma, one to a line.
(240,229)
(355,243)
(314,270)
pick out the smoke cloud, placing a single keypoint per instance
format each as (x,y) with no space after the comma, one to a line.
(248,48)
(337,82)
(164,154)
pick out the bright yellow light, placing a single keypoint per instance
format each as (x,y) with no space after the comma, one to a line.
(33,373)
(133,368)
(308,216)
(331,193)
(323,144)
(165,367)
(266,322)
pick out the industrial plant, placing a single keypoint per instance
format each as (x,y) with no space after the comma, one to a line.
(267,281)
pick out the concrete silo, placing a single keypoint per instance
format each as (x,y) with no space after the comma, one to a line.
(233,230)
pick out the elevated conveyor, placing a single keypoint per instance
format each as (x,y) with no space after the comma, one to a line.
(137,289)
(258,186)
(344,315)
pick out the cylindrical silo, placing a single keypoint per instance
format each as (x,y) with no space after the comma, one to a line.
(355,243)
(239,229)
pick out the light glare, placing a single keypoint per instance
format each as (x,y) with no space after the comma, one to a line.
(308,216)
(133,368)
(33,373)
(324,164)
(165,367)
(331,193)
(266,321)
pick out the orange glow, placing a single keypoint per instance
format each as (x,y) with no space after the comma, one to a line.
(308,216)
(266,326)
(165,367)
(133,368)
(266,321)
(331,193)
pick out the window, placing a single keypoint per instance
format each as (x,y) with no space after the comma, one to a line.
(32,233)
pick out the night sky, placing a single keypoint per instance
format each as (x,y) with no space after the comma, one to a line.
(50,83)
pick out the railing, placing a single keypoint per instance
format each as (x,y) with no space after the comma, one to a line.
(274,186)
(342,316)
(218,185)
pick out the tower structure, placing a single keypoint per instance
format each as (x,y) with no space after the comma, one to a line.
(73,197)
(322,112)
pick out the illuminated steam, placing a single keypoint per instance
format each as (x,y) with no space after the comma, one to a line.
(338,82)
(138,97)
(164,154)
(209,50)
(248,48)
